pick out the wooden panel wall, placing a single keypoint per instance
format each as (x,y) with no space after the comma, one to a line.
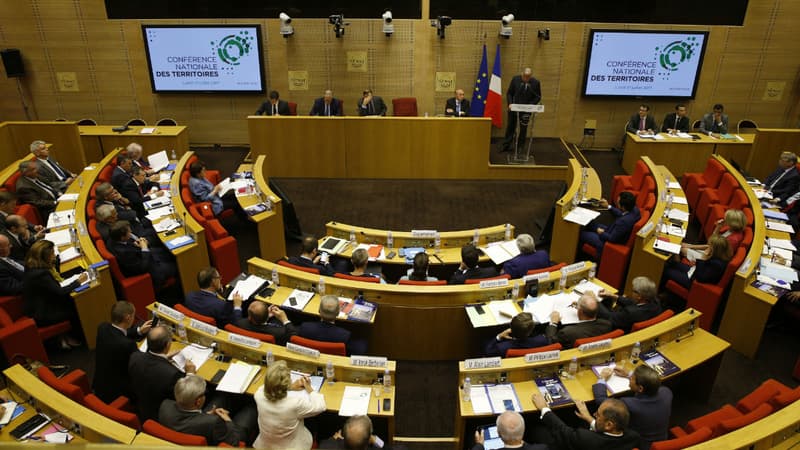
(108,59)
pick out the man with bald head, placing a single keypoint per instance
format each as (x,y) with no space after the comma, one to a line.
(268,319)
(588,324)
(326,106)
(11,271)
(457,106)
(511,429)
(326,329)
(524,89)
(21,235)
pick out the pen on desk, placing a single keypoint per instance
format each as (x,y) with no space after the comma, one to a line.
(438,259)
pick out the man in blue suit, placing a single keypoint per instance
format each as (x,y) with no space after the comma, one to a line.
(785,180)
(207,301)
(618,232)
(326,329)
(326,106)
(518,335)
(527,259)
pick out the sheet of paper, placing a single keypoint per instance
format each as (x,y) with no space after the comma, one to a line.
(70,280)
(503,310)
(540,307)
(71,197)
(673,230)
(247,287)
(668,247)
(782,243)
(566,305)
(61,218)
(301,299)
(355,401)
(238,377)
(147,130)
(679,200)
(783,253)
(224,186)
(68,254)
(480,400)
(166,225)
(9,411)
(158,202)
(59,238)
(587,286)
(158,161)
(196,354)
(683,135)
(316,381)
(677,214)
(659,137)
(499,393)
(497,253)
(164,177)
(778,226)
(157,213)
(777,271)
(581,216)
(777,215)
(615,383)
(479,320)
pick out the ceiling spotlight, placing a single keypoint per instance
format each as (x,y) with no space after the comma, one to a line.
(441,23)
(286,25)
(544,34)
(505,25)
(337,20)
(388,26)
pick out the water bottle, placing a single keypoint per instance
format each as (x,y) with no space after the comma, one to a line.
(268,202)
(329,371)
(73,236)
(275,278)
(508,232)
(92,274)
(592,271)
(562,283)
(321,286)
(80,181)
(181,332)
(270,358)
(637,348)
(437,242)
(173,155)
(669,201)
(476,237)
(389,239)
(514,290)
(387,382)
(573,367)
(465,392)
(352,235)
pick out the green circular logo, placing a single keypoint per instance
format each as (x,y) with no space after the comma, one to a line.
(232,48)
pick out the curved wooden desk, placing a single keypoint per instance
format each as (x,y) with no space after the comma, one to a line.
(682,155)
(564,244)
(99,140)
(271,237)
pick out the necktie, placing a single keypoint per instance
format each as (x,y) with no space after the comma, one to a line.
(371,110)
(275,109)
(458,108)
(327,109)
(60,173)
(676,122)
(641,123)
(45,187)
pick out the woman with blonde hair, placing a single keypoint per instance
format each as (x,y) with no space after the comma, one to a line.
(282,406)
(706,270)
(731,227)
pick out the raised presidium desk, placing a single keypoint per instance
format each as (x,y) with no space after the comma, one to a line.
(271,237)
(582,183)
(99,140)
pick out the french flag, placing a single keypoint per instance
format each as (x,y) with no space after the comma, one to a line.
(494,100)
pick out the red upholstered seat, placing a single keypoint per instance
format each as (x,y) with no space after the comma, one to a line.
(631,183)
(117,414)
(761,395)
(701,435)
(186,197)
(292,108)
(154,428)
(504,276)
(185,178)
(263,337)
(20,339)
(93,232)
(224,255)
(757,414)
(694,183)
(11,182)
(648,204)
(137,289)
(105,173)
(648,187)
(366,279)
(712,420)
(657,319)
(30,213)
(786,398)
(331,348)
(296,267)
(613,266)
(514,352)
(717,212)
(610,335)
(423,283)
(13,306)
(191,314)
(404,106)
(90,205)
(720,196)
(74,385)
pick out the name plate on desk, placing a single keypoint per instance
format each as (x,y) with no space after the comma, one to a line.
(573,267)
(605,343)
(204,327)
(645,230)
(543,356)
(524,107)
(368,361)
(482,363)
(302,350)
(543,276)
(493,283)
(169,312)
(244,340)
(744,267)
(423,234)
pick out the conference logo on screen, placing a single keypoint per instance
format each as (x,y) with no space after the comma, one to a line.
(678,53)
(234,47)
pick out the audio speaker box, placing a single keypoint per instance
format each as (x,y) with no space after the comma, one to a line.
(12,61)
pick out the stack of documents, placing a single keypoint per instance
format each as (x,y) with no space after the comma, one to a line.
(68,254)
(59,238)
(779,226)
(248,287)
(588,286)
(500,252)
(298,299)
(166,225)
(197,354)
(157,213)
(158,161)
(238,377)
(71,197)
(158,202)
(494,398)
(615,383)
(503,310)
(564,303)
(70,280)
(677,214)
(581,216)
(355,401)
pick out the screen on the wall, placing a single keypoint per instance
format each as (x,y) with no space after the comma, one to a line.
(644,63)
(204,58)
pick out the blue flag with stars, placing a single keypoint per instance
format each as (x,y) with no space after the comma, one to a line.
(481,88)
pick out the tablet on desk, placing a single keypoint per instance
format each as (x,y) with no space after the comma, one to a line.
(491,438)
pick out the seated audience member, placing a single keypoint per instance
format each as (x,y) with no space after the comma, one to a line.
(8,206)
(135,257)
(676,121)
(457,106)
(311,258)
(12,272)
(643,122)
(268,319)
(326,329)
(371,105)
(731,227)
(106,194)
(624,312)
(21,235)
(785,180)
(511,429)
(203,191)
(588,324)
(356,434)
(715,123)
(360,259)
(122,172)
(518,335)
(207,300)
(153,375)
(707,270)
(106,216)
(618,232)
(135,154)
(45,300)
(116,341)
(50,171)
(469,269)
(34,192)
(280,416)
(649,408)
(527,259)
(185,414)
(419,269)
(608,429)
(274,106)
(326,106)
(134,190)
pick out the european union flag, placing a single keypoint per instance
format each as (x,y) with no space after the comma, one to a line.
(481,88)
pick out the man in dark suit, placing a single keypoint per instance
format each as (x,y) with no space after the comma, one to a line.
(511,429)
(107,216)
(643,122)
(21,235)
(624,312)
(207,301)
(371,105)
(676,121)
(106,194)
(588,324)
(457,106)
(528,258)
(116,341)
(134,189)
(135,257)
(122,172)
(325,329)
(11,271)
(618,232)
(270,320)
(608,431)
(32,191)
(311,258)
(50,171)
(649,408)
(185,414)
(135,154)
(469,269)
(714,123)
(326,106)
(785,180)
(356,434)
(523,89)
(274,106)
(518,335)
(152,374)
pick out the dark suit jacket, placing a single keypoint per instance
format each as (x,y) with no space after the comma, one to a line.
(525,446)
(33,194)
(210,426)
(649,413)
(47,175)
(499,348)
(130,190)
(319,108)
(333,444)
(649,123)
(619,231)
(111,361)
(123,212)
(305,262)
(118,177)
(519,265)
(567,334)
(451,105)
(517,92)
(131,259)
(19,246)
(44,298)
(281,332)
(583,438)
(378,107)
(628,313)
(708,125)
(669,122)
(153,380)
(323,331)
(786,186)
(459,277)
(10,279)
(266,108)
(208,304)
